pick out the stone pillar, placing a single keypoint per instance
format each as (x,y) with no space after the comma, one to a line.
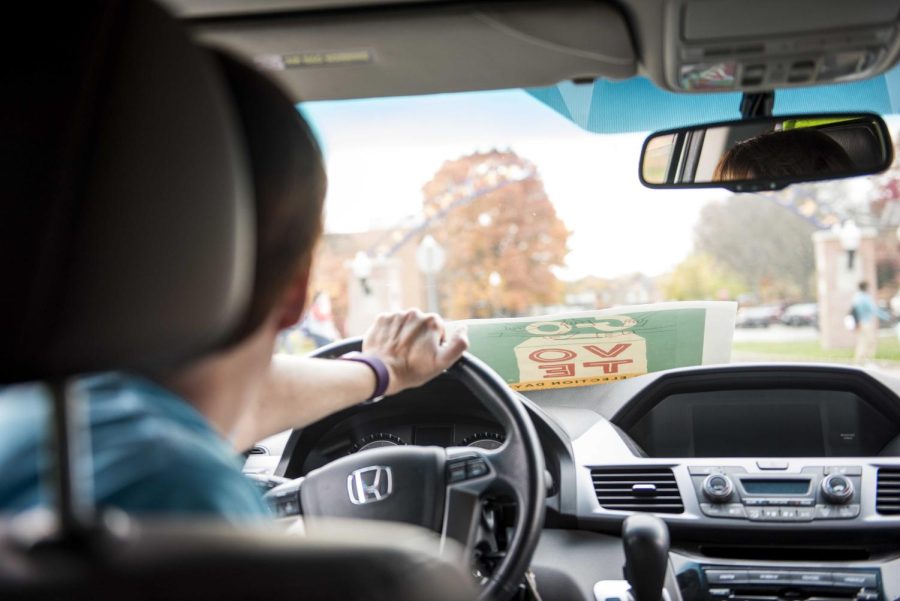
(836,284)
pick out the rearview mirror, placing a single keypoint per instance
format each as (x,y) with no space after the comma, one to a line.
(767,153)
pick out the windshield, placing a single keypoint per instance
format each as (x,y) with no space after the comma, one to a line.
(494,204)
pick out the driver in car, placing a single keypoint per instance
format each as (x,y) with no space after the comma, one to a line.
(166,442)
(792,153)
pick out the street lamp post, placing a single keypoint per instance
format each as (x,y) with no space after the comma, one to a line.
(430,257)
(850,237)
(362,270)
(495,280)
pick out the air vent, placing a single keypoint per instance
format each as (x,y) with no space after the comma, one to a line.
(651,489)
(888,497)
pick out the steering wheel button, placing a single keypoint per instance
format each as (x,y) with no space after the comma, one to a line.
(456,472)
(476,468)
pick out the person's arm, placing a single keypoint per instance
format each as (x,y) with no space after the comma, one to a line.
(413,346)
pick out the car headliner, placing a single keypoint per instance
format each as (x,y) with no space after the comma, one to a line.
(636,105)
(431,46)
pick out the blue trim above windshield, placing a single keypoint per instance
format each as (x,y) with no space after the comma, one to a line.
(638,105)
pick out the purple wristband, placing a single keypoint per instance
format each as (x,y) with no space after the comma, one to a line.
(382,376)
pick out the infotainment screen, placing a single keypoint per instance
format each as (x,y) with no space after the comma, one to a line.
(782,429)
(763,423)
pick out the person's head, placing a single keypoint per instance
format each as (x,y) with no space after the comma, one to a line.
(289,185)
(289,188)
(863,286)
(796,152)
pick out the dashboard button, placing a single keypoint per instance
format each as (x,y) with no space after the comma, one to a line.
(772,464)
(771,513)
(788,515)
(757,576)
(844,470)
(726,576)
(754,513)
(701,470)
(847,511)
(855,579)
(837,489)
(734,510)
(800,502)
(715,511)
(717,488)
(805,514)
(826,512)
(806,578)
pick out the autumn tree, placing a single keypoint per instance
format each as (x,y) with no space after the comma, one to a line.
(769,247)
(501,235)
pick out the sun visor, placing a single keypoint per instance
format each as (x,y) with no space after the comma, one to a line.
(637,105)
(401,51)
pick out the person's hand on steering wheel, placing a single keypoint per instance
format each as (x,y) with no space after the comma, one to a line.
(414,346)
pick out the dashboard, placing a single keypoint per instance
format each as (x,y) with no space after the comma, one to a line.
(774,480)
(447,416)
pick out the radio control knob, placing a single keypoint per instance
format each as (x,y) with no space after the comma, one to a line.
(837,489)
(718,487)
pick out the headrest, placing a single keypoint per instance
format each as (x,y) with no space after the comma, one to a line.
(126,231)
(859,141)
(289,183)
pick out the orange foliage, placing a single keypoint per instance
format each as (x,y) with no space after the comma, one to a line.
(512,231)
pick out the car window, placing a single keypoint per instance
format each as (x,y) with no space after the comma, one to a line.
(494,204)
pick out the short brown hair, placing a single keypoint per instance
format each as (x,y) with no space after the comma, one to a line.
(289,183)
(797,152)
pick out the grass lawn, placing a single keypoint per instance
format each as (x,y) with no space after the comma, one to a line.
(888,350)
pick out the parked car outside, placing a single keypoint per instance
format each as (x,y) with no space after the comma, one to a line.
(801,314)
(757,317)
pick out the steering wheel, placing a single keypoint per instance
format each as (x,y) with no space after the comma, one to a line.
(445,490)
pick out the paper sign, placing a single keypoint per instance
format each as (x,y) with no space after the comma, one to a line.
(593,347)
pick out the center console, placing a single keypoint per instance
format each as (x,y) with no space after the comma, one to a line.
(812,493)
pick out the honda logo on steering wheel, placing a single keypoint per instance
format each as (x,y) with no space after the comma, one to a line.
(370,484)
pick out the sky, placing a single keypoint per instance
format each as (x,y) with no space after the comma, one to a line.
(379,154)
